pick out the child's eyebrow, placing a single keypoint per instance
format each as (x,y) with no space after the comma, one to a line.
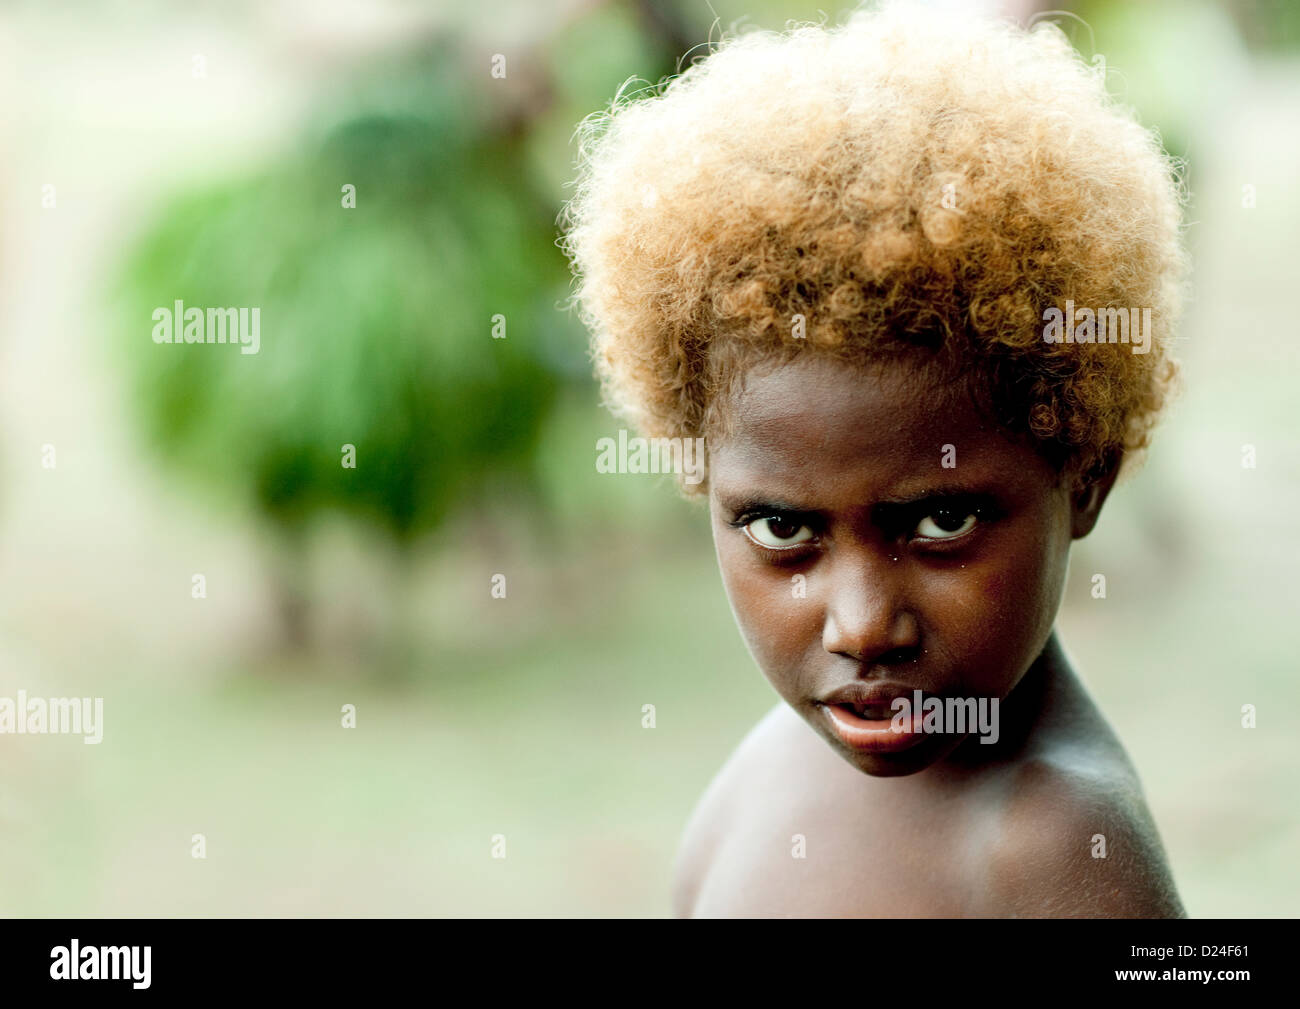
(744,504)
(937,493)
(755,502)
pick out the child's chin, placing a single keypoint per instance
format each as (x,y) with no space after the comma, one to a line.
(896,765)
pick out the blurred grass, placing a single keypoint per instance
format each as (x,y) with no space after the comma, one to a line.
(537,738)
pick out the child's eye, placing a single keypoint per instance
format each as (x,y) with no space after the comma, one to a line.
(776,532)
(946,524)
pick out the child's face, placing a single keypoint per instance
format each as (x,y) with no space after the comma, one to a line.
(916,575)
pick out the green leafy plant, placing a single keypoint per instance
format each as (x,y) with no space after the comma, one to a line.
(376,327)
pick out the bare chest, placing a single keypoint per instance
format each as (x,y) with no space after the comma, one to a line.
(828,841)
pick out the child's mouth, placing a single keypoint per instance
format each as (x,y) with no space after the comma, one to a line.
(872,727)
(869,712)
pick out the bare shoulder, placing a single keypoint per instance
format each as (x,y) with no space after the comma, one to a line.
(716,809)
(1076,839)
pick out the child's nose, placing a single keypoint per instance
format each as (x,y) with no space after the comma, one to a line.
(867,614)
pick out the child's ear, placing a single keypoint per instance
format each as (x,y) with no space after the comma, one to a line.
(1086,502)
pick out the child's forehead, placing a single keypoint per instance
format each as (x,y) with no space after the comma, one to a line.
(820,393)
(819,420)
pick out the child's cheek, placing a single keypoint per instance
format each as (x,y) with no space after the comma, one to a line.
(775,617)
(1008,616)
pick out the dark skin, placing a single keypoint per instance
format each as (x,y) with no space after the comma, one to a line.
(943,579)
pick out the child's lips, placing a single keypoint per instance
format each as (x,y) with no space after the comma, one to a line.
(872,735)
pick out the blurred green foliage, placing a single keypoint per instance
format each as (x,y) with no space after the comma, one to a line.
(1170,90)
(376,322)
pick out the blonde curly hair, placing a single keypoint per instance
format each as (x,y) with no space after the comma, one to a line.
(905,183)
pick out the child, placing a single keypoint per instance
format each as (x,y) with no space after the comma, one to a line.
(914,279)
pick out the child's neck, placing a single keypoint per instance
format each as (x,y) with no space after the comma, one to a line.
(1043,703)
